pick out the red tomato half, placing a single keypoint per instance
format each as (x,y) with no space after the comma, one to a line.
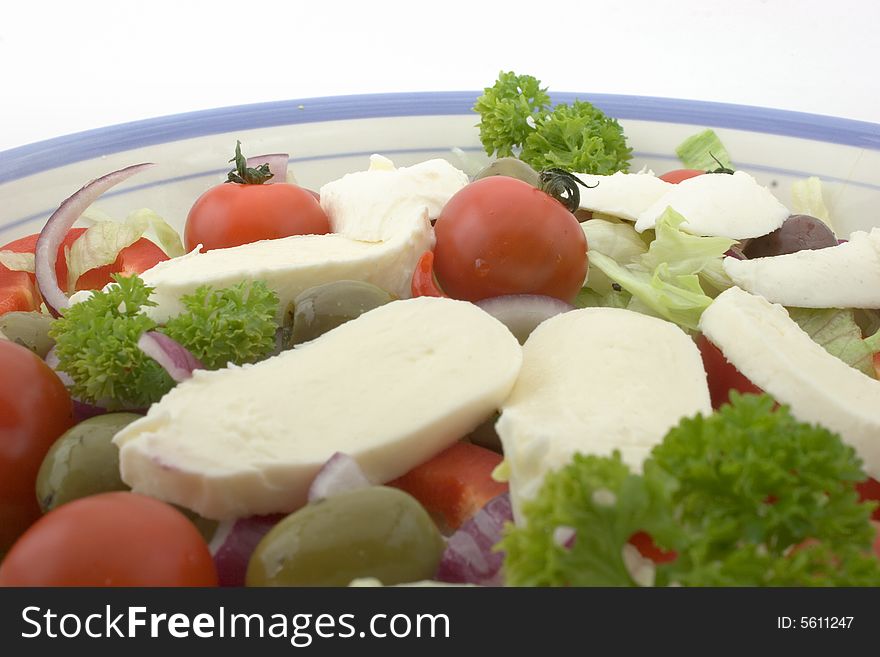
(35,409)
(499,235)
(111,539)
(231,214)
(721,375)
(678,175)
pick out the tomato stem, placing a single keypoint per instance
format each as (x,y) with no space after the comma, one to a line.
(563,186)
(245,175)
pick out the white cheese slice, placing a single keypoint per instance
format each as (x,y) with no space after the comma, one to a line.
(624,195)
(391,388)
(368,205)
(592,381)
(720,205)
(762,342)
(844,276)
(292,264)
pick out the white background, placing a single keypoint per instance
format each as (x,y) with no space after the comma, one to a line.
(71,66)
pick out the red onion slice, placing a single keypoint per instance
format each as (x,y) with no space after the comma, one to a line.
(170,354)
(469,557)
(564,536)
(522,313)
(277,165)
(341,473)
(53,233)
(233,544)
(53,361)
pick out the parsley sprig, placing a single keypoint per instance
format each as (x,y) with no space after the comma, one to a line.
(748,496)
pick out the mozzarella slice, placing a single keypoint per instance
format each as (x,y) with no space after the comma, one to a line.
(720,205)
(624,195)
(844,276)
(593,381)
(391,388)
(293,264)
(368,205)
(762,342)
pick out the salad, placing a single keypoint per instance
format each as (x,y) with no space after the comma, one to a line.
(551,370)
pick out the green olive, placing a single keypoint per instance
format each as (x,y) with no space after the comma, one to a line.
(83,461)
(324,307)
(29,329)
(511,167)
(374,532)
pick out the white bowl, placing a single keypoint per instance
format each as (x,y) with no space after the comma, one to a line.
(328,137)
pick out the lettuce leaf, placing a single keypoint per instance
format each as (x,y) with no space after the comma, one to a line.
(682,252)
(590,298)
(697,151)
(806,198)
(17,261)
(619,241)
(101,243)
(678,298)
(837,331)
(168,238)
(665,280)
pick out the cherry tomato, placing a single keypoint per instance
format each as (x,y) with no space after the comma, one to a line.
(231,214)
(35,409)
(500,235)
(721,375)
(423,282)
(678,175)
(869,490)
(111,539)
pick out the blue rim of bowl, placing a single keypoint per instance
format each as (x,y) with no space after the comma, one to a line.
(52,153)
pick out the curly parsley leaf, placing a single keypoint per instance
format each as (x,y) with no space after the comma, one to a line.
(606,504)
(578,138)
(96,345)
(508,111)
(748,496)
(232,325)
(756,484)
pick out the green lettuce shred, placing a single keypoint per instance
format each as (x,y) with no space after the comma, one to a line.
(806,198)
(837,331)
(705,151)
(15,261)
(102,241)
(666,279)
